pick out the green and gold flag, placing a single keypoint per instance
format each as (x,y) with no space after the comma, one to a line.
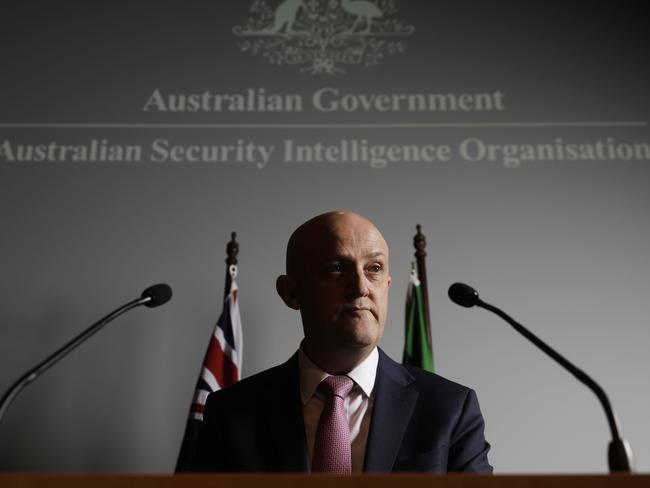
(417,341)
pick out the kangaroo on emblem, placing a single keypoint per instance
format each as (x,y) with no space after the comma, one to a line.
(285,16)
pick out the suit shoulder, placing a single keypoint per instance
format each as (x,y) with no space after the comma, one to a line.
(425,379)
(421,380)
(258,384)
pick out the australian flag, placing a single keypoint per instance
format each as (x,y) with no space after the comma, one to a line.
(221,368)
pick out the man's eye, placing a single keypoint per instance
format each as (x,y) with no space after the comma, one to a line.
(334,268)
(375,268)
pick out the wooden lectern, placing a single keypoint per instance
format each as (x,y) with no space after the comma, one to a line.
(323,481)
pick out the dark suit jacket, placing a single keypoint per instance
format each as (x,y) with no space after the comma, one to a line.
(420,422)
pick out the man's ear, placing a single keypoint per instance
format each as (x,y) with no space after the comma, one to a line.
(285,285)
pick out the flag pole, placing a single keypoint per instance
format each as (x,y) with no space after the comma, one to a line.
(216,351)
(232,250)
(420,243)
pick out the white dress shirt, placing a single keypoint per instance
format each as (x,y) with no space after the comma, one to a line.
(358,404)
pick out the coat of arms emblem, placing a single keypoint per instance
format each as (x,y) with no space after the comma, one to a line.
(323,36)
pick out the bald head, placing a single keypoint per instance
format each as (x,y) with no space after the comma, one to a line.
(338,278)
(336,224)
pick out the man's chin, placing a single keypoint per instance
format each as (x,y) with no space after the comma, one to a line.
(361,334)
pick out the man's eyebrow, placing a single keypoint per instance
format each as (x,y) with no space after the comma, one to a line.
(376,254)
(346,257)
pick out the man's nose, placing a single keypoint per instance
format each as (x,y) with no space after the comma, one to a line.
(358,285)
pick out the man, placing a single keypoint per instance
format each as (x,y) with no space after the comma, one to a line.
(340,404)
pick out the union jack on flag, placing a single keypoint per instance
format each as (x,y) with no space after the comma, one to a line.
(222,363)
(221,368)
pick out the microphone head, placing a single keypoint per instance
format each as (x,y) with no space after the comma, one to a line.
(463,295)
(158,294)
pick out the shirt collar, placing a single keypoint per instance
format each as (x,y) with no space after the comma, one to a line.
(311,375)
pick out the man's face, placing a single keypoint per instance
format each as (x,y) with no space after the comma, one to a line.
(342,287)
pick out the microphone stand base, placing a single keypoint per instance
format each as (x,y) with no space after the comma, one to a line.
(620,457)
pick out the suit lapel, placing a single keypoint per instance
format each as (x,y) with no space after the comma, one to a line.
(393,406)
(286,427)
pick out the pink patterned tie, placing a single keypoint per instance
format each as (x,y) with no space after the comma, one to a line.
(332,450)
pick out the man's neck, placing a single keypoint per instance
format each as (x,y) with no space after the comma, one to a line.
(337,362)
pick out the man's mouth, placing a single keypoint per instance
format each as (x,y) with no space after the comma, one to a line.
(359,310)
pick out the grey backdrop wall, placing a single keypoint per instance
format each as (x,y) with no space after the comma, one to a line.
(559,238)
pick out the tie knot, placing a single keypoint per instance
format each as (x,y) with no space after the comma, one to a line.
(338,386)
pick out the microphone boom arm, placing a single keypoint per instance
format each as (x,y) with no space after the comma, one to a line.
(574,370)
(619,453)
(51,360)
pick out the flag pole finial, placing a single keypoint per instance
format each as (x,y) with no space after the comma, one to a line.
(232,250)
(420,244)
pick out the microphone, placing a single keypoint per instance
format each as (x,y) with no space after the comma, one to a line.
(153,296)
(157,294)
(463,295)
(619,454)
